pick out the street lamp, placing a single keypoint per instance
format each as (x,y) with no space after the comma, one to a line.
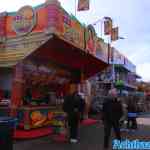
(110,39)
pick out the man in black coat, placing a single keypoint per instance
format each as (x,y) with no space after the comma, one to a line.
(112,112)
(73,106)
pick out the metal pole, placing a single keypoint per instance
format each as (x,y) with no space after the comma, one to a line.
(112,62)
(75,7)
(113,70)
(101,29)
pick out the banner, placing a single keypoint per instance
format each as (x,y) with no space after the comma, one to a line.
(107,25)
(72,30)
(114,34)
(83,5)
(3,26)
(90,38)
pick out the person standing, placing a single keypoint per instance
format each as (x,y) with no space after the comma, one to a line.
(111,114)
(132,113)
(73,107)
(1,94)
(86,89)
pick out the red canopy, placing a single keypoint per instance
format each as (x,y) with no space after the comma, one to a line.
(64,53)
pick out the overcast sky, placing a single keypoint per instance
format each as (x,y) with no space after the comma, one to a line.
(132,17)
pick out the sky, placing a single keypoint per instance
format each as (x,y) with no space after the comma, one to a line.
(131,16)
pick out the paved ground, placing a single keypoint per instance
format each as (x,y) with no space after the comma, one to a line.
(91,138)
(143,131)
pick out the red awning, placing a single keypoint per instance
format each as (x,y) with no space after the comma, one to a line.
(63,53)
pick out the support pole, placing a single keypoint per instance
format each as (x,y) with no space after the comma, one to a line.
(17,89)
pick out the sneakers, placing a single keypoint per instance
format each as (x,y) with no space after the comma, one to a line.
(73,141)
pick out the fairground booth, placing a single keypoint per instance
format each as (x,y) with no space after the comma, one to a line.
(121,73)
(42,49)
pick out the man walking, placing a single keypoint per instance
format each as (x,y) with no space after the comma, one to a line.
(73,106)
(112,112)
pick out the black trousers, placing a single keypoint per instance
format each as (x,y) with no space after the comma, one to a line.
(108,125)
(133,122)
(73,122)
(6,138)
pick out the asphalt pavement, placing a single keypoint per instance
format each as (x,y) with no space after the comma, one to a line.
(91,138)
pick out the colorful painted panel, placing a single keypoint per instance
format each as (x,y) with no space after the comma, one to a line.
(9,30)
(129,65)
(71,29)
(46,117)
(90,40)
(3,26)
(35,117)
(25,20)
(41,22)
(102,50)
(53,16)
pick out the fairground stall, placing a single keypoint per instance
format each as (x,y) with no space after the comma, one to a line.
(121,74)
(42,49)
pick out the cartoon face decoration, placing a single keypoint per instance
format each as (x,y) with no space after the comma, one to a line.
(24,21)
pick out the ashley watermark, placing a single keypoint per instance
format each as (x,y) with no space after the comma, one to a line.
(130,145)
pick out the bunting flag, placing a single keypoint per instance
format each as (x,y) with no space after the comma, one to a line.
(114,34)
(83,5)
(107,25)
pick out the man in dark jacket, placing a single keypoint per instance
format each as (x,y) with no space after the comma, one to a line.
(73,106)
(112,112)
